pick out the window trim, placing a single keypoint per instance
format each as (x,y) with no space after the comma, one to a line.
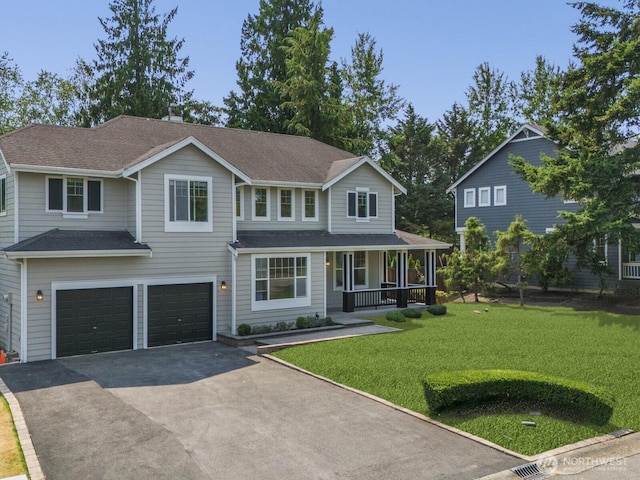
(292,218)
(253,204)
(239,191)
(85,196)
(3,195)
(304,206)
(465,198)
(259,305)
(182,225)
(365,285)
(496,189)
(482,190)
(335,269)
(605,248)
(368,195)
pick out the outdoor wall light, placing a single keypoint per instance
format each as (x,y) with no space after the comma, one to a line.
(223,285)
(39,295)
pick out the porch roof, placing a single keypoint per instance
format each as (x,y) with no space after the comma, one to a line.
(77,243)
(322,240)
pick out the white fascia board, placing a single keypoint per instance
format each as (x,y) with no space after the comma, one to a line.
(357,165)
(371,248)
(80,172)
(492,153)
(180,145)
(79,254)
(276,183)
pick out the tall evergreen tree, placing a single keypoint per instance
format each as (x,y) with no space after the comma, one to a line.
(534,94)
(310,87)
(490,107)
(372,102)
(460,148)
(48,99)
(598,114)
(138,70)
(258,103)
(10,84)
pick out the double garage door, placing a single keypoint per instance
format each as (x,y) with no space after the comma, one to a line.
(101,319)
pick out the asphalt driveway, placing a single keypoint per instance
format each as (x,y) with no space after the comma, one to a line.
(215,412)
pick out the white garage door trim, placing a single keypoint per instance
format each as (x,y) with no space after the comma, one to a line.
(175,281)
(91,284)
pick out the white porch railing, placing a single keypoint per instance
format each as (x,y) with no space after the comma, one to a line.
(631,270)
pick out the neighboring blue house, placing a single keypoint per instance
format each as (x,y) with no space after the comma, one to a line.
(492,192)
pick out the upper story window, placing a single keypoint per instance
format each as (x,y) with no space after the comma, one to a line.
(240,203)
(286,204)
(469,197)
(187,204)
(261,203)
(484,197)
(500,195)
(362,204)
(3,195)
(74,196)
(310,207)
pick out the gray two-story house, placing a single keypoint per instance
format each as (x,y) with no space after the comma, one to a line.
(141,233)
(492,192)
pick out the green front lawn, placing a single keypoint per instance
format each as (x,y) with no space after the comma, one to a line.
(594,347)
(11,459)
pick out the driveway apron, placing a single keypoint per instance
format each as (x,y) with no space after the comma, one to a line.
(215,412)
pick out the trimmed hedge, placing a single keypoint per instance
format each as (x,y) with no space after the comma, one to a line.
(437,309)
(472,387)
(395,317)
(411,313)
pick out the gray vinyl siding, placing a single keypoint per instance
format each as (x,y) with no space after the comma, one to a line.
(34,219)
(539,212)
(7,224)
(131,207)
(365,176)
(10,312)
(243,285)
(273,223)
(374,278)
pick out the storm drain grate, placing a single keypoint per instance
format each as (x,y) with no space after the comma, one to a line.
(530,471)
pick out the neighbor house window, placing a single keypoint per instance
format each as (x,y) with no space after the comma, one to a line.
(469,197)
(600,249)
(187,204)
(484,197)
(286,204)
(362,204)
(74,195)
(310,207)
(280,282)
(3,195)
(240,203)
(261,204)
(500,195)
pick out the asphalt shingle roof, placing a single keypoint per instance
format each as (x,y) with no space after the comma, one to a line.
(126,141)
(57,240)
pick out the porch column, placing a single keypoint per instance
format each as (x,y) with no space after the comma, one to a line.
(619,259)
(402,280)
(348,297)
(430,280)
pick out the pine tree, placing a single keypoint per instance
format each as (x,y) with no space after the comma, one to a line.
(10,84)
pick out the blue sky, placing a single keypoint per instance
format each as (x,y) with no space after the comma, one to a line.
(431,47)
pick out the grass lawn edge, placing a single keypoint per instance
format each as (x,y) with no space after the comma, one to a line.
(29,460)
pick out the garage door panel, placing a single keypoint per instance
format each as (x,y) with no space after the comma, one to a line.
(94,320)
(179,313)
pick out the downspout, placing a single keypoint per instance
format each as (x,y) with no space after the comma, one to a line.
(328,218)
(23,310)
(619,259)
(16,210)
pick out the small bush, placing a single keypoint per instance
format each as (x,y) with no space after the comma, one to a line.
(437,309)
(472,387)
(260,329)
(395,317)
(411,313)
(442,297)
(244,329)
(329,322)
(301,322)
(283,326)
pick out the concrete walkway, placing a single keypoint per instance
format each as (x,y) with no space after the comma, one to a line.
(212,411)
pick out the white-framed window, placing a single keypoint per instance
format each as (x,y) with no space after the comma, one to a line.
(3,195)
(187,204)
(240,203)
(310,205)
(601,249)
(360,269)
(500,195)
(362,204)
(338,270)
(286,204)
(469,197)
(74,196)
(261,205)
(280,281)
(484,197)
